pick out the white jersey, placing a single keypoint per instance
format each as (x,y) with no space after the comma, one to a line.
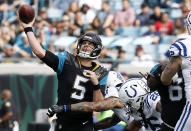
(183,48)
(152,119)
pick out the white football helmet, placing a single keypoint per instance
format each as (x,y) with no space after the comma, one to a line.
(188,20)
(133,93)
(114,79)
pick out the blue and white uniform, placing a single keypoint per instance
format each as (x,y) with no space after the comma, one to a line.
(152,118)
(182,48)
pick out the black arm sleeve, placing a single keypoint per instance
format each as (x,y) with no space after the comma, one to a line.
(51,60)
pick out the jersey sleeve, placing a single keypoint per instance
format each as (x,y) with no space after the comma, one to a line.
(123,115)
(178,49)
(51,60)
(61,59)
(152,100)
(111,92)
(56,62)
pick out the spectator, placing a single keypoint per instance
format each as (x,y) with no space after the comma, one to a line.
(44,16)
(65,26)
(186,7)
(84,17)
(178,26)
(4,37)
(165,26)
(144,17)
(141,59)
(72,11)
(108,31)
(90,28)
(104,54)
(125,17)
(3,7)
(156,16)
(42,38)
(103,18)
(23,49)
(93,4)
(59,32)
(121,55)
(153,33)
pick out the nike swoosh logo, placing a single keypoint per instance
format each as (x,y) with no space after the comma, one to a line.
(85,122)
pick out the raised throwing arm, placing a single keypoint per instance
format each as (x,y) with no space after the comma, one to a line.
(35,45)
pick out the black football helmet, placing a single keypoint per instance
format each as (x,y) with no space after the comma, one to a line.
(93,38)
(156,72)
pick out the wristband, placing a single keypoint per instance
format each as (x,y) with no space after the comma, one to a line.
(28,29)
(67,108)
(96,87)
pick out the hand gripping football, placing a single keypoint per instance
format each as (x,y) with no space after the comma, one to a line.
(26,13)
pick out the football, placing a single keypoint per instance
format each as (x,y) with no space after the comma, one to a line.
(26,13)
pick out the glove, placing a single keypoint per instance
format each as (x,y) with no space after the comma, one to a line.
(54,109)
(57,109)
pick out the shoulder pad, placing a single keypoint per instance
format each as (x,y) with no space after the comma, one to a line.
(180,48)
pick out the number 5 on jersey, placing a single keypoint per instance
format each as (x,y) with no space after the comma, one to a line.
(79,88)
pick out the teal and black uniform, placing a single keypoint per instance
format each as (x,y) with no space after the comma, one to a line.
(173,98)
(74,87)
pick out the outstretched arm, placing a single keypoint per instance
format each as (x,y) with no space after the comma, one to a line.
(171,69)
(106,104)
(107,122)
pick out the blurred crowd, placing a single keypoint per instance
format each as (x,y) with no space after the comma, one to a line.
(142,25)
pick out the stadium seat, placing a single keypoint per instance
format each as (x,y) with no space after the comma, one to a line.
(54,14)
(151,50)
(146,40)
(122,41)
(130,51)
(65,41)
(175,13)
(136,4)
(162,48)
(106,41)
(167,39)
(116,4)
(128,31)
(143,30)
